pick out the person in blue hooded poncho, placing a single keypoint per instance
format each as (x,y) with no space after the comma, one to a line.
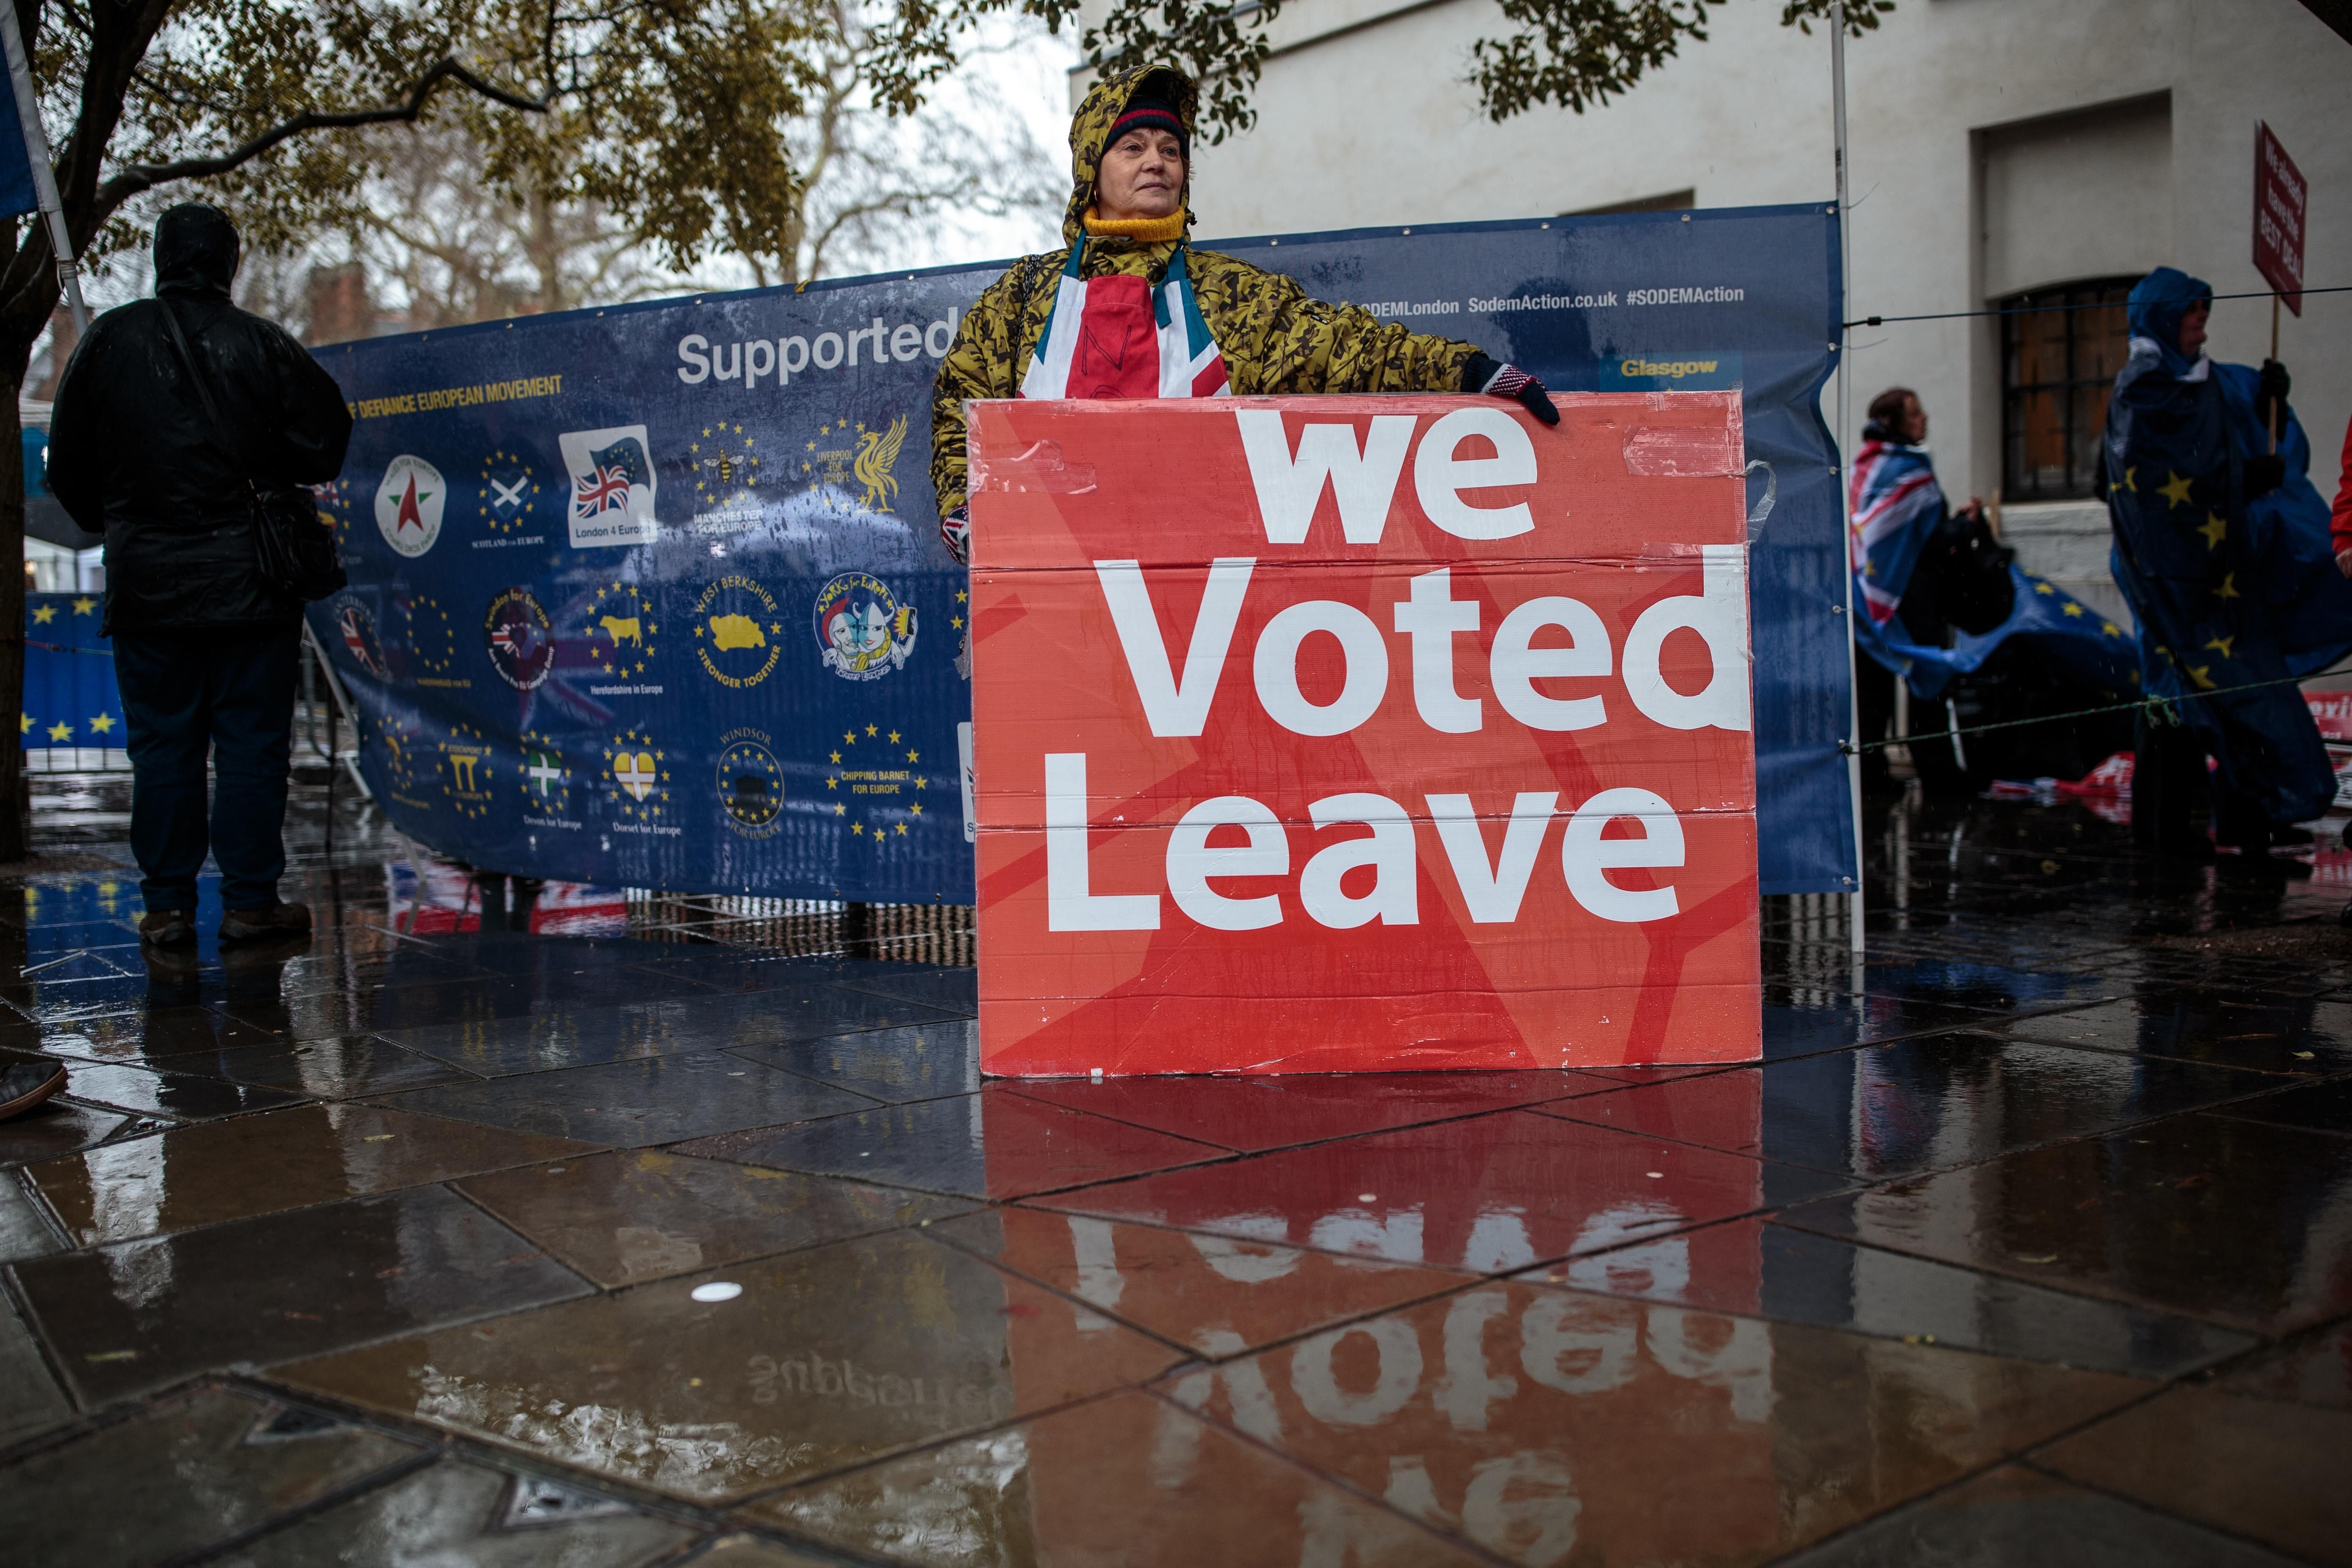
(2222,548)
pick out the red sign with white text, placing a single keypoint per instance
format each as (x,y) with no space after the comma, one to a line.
(2281,196)
(1350,734)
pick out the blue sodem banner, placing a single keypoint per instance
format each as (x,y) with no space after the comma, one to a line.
(654,595)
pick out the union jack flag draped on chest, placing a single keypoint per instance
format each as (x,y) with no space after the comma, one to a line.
(1897,505)
(1116,336)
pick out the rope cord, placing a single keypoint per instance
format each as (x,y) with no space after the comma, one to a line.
(2158,704)
(2087,305)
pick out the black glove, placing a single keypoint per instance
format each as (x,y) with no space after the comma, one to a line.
(2264,474)
(955,532)
(1497,379)
(2270,393)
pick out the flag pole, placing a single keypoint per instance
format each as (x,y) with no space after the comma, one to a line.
(1845,495)
(45,179)
(2274,407)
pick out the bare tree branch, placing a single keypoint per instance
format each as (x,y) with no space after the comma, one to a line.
(146,176)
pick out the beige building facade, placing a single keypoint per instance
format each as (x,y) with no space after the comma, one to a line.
(2043,151)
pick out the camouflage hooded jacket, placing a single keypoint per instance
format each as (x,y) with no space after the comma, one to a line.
(1274,339)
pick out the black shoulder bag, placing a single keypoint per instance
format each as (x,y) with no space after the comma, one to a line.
(292,549)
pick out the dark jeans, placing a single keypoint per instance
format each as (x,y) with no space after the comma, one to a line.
(230,690)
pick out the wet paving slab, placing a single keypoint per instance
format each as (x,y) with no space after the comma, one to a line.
(1757,1269)
(452,1512)
(1635,1432)
(1211,1295)
(140,1315)
(2016,1516)
(209,1466)
(568,1032)
(632,1104)
(1956,1099)
(34,1402)
(611,1242)
(2247,1030)
(26,1230)
(913,1061)
(1803,1021)
(2314,1369)
(181,1097)
(817,1362)
(251,1166)
(1126,1480)
(55,1128)
(348,1067)
(625,1218)
(1250,1115)
(2265,1470)
(991,1144)
(2141,1216)
(150,1037)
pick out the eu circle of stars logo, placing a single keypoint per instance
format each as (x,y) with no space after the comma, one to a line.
(635,771)
(406,758)
(467,774)
(890,780)
(751,784)
(845,454)
(726,470)
(507,495)
(546,780)
(621,629)
(432,640)
(738,634)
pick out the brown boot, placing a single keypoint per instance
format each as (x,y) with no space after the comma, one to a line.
(279,920)
(167,928)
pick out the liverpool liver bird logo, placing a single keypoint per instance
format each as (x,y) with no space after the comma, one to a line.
(878,454)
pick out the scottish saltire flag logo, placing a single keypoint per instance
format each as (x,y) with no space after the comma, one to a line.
(611,477)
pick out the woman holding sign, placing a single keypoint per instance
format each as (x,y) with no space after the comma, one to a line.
(1128,310)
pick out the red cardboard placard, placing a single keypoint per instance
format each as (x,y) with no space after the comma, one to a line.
(2281,196)
(1357,734)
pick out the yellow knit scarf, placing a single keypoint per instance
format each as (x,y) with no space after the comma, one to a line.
(1143,230)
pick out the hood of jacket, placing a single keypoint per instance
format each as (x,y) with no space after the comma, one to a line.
(1090,128)
(2158,303)
(195,252)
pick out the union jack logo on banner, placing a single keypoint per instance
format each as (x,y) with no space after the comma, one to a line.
(604,490)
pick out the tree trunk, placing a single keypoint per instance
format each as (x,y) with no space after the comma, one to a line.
(14,817)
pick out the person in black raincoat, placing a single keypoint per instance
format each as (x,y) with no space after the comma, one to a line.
(2180,476)
(205,652)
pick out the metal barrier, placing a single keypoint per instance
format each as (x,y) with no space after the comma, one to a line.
(322,710)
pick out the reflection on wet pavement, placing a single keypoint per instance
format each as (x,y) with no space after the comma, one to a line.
(1129,1480)
(1531,1419)
(572,1234)
(822,1360)
(684,1215)
(452,1512)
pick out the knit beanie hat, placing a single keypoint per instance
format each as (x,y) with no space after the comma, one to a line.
(1151,114)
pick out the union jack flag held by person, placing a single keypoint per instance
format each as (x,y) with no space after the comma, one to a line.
(1897,505)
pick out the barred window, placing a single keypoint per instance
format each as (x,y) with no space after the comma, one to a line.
(2060,354)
